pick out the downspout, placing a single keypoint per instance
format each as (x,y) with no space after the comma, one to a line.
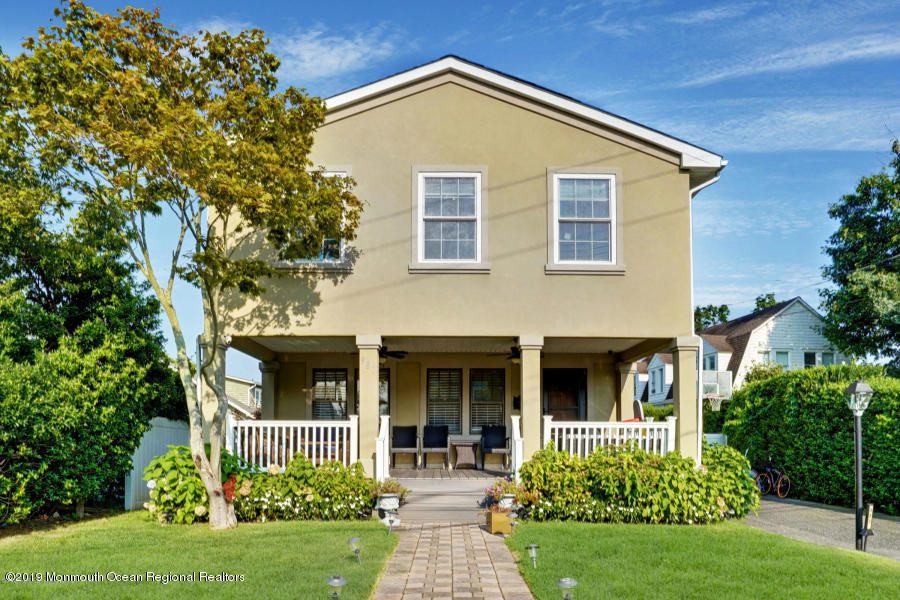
(693,192)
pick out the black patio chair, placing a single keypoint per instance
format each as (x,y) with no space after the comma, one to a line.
(494,441)
(436,440)
(404,440)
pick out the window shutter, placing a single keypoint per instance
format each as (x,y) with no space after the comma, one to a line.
(444,406)
(487,396)
(329,394)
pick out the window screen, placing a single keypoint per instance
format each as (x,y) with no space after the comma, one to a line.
(444,406)
(329,394)
(487,395)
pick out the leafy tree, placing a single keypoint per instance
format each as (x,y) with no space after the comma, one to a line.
(863,306)
(139,121)
(765,301)
(709,315)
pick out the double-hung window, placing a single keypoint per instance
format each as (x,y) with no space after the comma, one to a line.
(332,250)
(329,394)
(487,393)
(584,228)
(444,398)
(709,362)
(449,217)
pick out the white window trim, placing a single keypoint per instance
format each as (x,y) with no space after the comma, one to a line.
(344,263)
(418,264)
(614,266)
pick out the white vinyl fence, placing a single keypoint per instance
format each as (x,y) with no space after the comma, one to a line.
(162,434)
(583,437)
(383,450)
(275,442)
(516,441)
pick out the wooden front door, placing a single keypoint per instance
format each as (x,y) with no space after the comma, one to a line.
(565,394)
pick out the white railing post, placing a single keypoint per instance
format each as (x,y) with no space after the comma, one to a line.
(548,425)
(229,433)
(669,443)
(516,458)
(382,450)
(353,432)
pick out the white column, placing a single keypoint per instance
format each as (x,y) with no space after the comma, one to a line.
(685,398)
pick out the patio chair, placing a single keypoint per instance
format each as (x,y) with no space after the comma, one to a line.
(494,441)
(404,440)
(436,440)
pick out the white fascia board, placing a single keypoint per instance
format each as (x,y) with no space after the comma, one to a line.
(691,156)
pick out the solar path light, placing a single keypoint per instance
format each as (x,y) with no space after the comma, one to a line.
(567,586)
(532,552)
(336,582)
(354,543)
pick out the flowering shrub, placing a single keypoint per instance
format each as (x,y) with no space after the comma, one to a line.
(628,485)
(329,491)
(504,486)
(391,486)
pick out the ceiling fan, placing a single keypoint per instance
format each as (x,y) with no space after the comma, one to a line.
(515,354)
(383,352)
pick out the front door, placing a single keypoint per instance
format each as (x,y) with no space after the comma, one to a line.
(565,394)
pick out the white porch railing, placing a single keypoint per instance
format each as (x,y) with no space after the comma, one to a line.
(383,451)
(516,454)
(275,442)
(583,437)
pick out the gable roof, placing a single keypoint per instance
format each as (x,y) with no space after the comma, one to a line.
(737,331)
(719,342)
(692,157)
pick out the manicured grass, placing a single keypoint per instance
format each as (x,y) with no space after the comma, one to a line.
(278,559)
(727,560)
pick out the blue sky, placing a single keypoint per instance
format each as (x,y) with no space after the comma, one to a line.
(802,98)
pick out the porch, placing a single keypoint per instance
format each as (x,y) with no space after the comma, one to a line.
(340,398)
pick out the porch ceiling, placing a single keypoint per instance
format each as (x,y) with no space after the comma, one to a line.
(438,344)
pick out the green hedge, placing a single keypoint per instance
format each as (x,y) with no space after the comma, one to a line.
(712,420)
(633,486)
(800,419)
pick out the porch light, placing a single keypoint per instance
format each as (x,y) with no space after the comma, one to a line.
(858,395)
(532,552)
(566,585)
(336,582)
(354,543)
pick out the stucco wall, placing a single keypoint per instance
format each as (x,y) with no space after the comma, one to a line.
(456,125)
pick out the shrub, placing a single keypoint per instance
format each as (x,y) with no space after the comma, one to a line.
(504,486)
(659,413)
(633,486)
(392,486)
(177,494)
(800,420)
(760,371)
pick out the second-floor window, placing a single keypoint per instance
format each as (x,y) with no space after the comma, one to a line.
(709,362)
(449,217)
(584,209)
(656,379)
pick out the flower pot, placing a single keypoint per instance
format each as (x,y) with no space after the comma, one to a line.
(498,522)
(506,502)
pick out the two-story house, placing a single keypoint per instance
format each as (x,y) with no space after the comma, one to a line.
(507,266)
(788,333)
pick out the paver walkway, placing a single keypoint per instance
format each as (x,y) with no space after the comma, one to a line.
(447,560)
(825,525)
(443,552)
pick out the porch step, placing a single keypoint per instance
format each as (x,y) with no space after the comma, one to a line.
(442,500)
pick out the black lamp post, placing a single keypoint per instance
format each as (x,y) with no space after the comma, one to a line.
(858,396)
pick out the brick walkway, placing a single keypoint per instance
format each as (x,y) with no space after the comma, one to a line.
(451,560)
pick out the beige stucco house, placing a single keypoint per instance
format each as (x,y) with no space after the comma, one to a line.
(514,245)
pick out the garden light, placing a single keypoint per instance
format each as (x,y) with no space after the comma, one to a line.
(532,552)
(392,519)
(512,516)
(354,543)
(859,394)
(336,582)
(566,585)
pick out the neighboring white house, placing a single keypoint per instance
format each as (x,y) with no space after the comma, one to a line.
(244,399)
(659,384)
(642,381)
(787,333)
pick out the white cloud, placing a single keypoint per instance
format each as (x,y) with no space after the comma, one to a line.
(318,54)
(861,47)
(738,283)
(708,15)
(727,218)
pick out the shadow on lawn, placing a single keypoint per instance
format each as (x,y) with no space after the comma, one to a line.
(46,523)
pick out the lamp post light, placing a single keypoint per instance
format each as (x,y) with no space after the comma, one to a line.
(532,552)
(859,394)
(354,543)
(566,585)
(336,582)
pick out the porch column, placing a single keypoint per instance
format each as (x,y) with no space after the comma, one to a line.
(269,374)
(530,389)
(685,397)
(367,402)
(625,405)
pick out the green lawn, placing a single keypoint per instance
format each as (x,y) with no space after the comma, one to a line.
(727,560)
(277,559)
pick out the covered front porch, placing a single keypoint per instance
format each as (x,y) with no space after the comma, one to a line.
(340,398)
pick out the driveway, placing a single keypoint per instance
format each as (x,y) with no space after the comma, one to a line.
(825,525)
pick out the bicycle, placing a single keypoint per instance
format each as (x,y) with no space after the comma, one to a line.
(771,476)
